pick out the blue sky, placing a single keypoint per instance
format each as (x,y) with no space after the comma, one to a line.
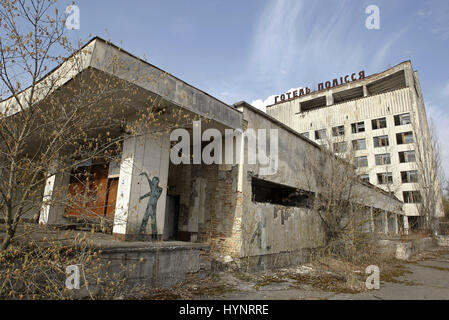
(253,49)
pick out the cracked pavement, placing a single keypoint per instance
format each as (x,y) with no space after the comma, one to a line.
(427,279)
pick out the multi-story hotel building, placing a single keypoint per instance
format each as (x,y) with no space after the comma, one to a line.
(380,123)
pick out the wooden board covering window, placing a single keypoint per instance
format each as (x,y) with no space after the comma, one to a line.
(91,194)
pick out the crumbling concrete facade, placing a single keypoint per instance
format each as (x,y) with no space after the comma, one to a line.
(381,121)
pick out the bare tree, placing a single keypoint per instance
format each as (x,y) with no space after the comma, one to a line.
(340,201)
(430,173)
(53,122)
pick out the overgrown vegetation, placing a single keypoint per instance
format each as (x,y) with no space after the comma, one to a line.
(35,268)
(446,206)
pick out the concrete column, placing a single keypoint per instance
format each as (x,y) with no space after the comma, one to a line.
(365,91)
(371,212)
(142,190)
(329,99)
(55,191)
(396,226)
(409,78)
(406,227)
(385,221)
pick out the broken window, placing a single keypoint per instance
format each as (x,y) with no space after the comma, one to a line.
(411,196)
(274,193)
(381,141)
(358,127)
(407,156)
(402,119)
(404,137)
(364,177)
(359,144)
(320,134)
(361,162)
(409,176)
(339,147)
(382,159)
(379,123)
(306,135)
(385,178)
(338,131)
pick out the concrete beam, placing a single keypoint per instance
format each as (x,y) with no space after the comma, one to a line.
(155,80)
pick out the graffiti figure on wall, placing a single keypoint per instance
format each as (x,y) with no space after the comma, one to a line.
(150,212)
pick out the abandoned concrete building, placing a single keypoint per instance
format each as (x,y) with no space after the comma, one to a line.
(237,209)
(380,121)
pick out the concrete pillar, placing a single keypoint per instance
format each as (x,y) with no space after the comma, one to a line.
(406,226)
(55,191)
(409,78)
(329,99)
(142,190)
(385,221)
(365,91)
(371,211)
(396,225)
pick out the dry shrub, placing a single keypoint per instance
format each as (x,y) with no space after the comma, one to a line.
(36,269)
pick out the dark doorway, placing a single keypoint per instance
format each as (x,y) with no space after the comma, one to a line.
(172,217)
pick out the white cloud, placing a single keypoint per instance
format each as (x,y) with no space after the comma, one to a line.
(299,41)
(276,34)
(262,104)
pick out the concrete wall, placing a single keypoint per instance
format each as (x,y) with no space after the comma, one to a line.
(158,266)
(269,229)
(210,209)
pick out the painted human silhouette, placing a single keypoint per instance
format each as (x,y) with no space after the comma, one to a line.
(150,212)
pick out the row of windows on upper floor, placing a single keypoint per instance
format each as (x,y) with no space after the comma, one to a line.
(387,177)
(380,141)
(385,159)
(358,127)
